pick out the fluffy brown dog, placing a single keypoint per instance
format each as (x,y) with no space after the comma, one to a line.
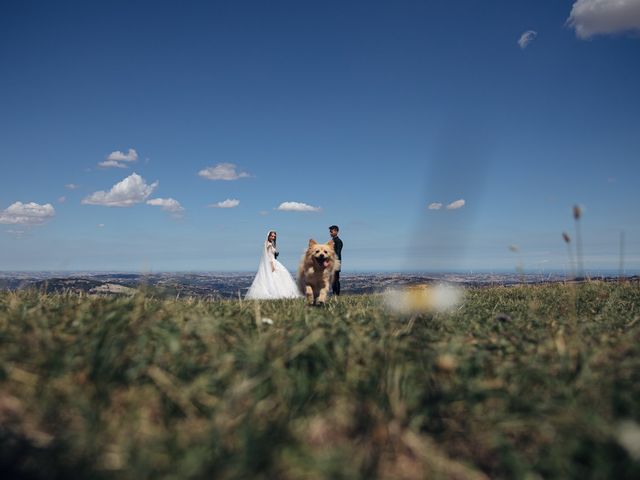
(316,270)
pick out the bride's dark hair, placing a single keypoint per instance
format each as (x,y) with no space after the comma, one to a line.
(274,240)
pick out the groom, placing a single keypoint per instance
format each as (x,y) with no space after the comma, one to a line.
(337,246)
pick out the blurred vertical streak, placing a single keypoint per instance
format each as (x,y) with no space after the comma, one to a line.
(456,169)
(621,272)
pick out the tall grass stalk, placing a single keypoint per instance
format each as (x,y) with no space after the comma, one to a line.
(577,214)
(567,241)
(621,265)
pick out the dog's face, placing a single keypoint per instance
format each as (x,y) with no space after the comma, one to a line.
(321,253)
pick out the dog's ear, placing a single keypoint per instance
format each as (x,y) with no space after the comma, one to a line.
(312,242)
(330,243)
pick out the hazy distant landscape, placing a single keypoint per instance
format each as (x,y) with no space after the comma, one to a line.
(228,285)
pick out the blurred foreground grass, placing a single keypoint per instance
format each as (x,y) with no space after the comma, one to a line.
(522,382)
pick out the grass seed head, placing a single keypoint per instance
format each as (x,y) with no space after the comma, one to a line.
(577,212)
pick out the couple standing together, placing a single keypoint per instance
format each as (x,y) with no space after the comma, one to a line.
(274,281)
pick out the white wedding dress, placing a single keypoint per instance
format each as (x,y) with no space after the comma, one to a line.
(269,284)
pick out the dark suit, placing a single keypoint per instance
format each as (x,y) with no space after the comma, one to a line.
(337,247)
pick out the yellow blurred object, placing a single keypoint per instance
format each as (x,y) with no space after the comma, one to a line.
(446,362)
(423,298)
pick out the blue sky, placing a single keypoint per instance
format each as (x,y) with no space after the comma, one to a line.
(366,112)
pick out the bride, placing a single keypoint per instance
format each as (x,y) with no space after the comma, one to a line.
(272,280)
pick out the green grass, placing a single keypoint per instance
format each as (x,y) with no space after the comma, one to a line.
(523,382)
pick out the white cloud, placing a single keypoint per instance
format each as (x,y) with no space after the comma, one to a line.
(526,38)
(455,205)
(118,156)
(112,163)
(71,186)
(228,203)
(100,225)
(594,17)
(297,207)
(167,204)
(435,206)
(30,213)
(116,159)
(125,193)
(222,171)
(17,233)
(62,199)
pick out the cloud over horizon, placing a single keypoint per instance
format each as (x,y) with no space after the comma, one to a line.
(31,213)
(297,207)
(228,203)
(126,193)
(456,205)
(526,38)
(18,233)
(435,206)
(222,171)
(170,205)
(116,159)
(112,164)
(600,17)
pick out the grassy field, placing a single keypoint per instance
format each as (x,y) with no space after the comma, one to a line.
(521,382)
